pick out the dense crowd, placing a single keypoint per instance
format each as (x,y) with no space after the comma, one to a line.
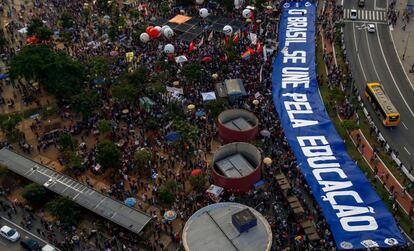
(169,161)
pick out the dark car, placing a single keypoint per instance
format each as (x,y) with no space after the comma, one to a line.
(30,244)
(361,3)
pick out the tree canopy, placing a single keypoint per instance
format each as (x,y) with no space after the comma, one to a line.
(67,142)
(85,102)
(108,154)
(34,193)
(66,210)
(125,93)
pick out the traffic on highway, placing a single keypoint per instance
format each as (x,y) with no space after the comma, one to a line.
(373,59)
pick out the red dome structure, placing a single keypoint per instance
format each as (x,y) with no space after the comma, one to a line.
(237,125)
(236,166)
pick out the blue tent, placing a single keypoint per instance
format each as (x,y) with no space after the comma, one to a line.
(173,136)
(99,81)
(200,113)
(3,76)
(130,202)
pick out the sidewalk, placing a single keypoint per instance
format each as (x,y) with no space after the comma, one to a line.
(404,40)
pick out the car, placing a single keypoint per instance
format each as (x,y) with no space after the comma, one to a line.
(353,14)
(9,233)
(49,182)
(371,28)
(361,3)
(30,244)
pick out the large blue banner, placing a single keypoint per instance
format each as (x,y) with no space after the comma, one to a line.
(356,215)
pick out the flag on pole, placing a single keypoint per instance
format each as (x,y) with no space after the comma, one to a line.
(192,47)
(201,42)
(259,48)
(236,37)
(246,55)
(210,36)
(264,53)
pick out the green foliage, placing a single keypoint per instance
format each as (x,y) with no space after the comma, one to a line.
(34,24)
(31,62)
(66,20)
(99,67)
(74,161)
(85,102)
(136,78)
(43,33)
(349,124)
(9,122)
(216,106)
(198,182)
(65,210)
(67,142)
(34,193)
(151,124)
(192,71)
(142,156)
(65,76)
(108,154)
(188,132)
(104,126)
(167,191)
(124,93)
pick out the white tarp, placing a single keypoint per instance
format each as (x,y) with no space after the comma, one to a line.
(207,96)
(174,89)
(181,59)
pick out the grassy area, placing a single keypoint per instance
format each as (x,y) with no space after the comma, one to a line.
(328,96)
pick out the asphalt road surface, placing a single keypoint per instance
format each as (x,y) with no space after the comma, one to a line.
(10,246)
(373,58)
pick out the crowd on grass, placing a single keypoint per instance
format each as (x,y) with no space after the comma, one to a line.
(174,161)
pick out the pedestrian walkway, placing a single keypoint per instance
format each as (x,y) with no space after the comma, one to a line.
(367,15)
(397,191)
(403,37)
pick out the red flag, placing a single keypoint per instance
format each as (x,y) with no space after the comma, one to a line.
(259,48)
(192,47)
(250,50)
(223,58)
(236,38)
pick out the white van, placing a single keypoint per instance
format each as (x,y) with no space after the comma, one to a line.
(48,247)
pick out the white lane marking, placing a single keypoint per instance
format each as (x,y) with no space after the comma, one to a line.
(342,2)
(24,230)
(404,125)
(100,202)
(399,59)
(361,21)
(407,151)
(370,55)
(392,76)
(359,59)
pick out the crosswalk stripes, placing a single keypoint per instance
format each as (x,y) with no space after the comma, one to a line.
(368,15)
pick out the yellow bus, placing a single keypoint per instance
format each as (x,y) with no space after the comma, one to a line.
(382,104)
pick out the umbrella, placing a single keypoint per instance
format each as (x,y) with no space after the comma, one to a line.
(170,215)
(99,81)
(125,111)
(200,113)
(130,202)
(265,133)
(181,59)
(195,172)
(173,136)
(190,107)
(3,76)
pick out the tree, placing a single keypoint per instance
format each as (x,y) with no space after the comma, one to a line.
(198,182)
(31,61)
(142,156)
(85,102)
(167,191)
(99,67)
(66,20)
(151,124)
(74,161)
(188,132)
(43,33)
(64,76)
(124,93)
(216,106)
(67,142)
(136,78)
(9,122)
(34,24)
(192,71)
(104,126)
(64,209)
(108,154)
(34,193)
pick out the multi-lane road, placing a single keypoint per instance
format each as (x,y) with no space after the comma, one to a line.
(10,246)
(373,58)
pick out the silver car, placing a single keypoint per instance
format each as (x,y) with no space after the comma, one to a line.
(9,233)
